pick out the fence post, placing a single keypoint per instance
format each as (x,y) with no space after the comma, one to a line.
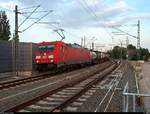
(127,99)
(133,103)
(124,101)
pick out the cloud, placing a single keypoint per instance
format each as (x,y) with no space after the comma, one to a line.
(115,10)
(122,20)
(9,5)
(101,14)
(74,13)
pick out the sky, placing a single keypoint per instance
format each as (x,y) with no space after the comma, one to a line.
(93,19)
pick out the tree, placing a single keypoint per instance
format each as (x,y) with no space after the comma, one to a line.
(144,54)
(4,26)
(132,52)
(117,52)
(130,47)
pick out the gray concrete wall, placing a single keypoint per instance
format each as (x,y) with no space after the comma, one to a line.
(25,60)
(5,56)
(26,56)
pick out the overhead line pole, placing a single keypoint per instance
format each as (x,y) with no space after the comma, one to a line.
(16,36)
(127,43)
(121,52)
(138,35)
(81,42)
(84,41)
(16,40)
(138,39)
(92,45)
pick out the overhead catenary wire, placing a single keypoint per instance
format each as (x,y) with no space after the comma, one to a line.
(104,26)
(32,18)
(36,12)
(48,23)
(125,32)
(68,31)
(52,25)
(131,26)
(91,11)
(28,7)
(71,34)
(88,10)
(36,22)
(28,16)
(7,10)
(95,17)
(23,13)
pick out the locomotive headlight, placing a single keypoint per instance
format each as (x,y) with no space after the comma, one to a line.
(38,57)
(51,56)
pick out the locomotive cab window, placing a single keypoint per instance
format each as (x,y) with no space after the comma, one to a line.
(42,48)
(50,47)
(46,48)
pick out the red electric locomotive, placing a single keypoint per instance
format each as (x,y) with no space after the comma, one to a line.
(57,54)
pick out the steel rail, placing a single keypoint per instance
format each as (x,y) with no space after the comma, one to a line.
(115,87)
(110,88)
(82,91)
(13,83)
(71,83)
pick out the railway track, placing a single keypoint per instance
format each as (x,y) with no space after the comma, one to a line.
(108,93)
(112,87)
(29,91)
(13,83)
(60,98)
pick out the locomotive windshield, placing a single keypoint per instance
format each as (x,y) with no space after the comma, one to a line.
(46,48)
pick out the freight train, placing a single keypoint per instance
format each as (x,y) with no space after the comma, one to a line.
(54,55)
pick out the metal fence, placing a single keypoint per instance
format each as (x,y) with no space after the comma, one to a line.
(137,98)
(25,56)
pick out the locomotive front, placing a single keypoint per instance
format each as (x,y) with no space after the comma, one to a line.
(44,58)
